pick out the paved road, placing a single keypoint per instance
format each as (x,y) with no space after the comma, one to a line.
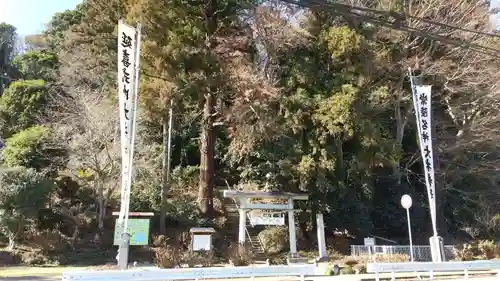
(32,278)
(362,277)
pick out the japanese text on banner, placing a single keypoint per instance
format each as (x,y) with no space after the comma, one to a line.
(422,101)
(126,92)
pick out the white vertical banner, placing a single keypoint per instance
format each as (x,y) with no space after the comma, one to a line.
(422,100)
(128,75)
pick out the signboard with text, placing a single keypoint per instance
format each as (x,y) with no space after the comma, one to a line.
(138,230)
(369,241)
(128,75)
(266,220)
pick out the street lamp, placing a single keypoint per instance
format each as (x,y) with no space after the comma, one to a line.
(406,203)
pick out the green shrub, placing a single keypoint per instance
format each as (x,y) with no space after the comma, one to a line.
(203,258)
(33,148)
(34,258)
(274,239)
(240,255)
(487,249)
(308,254)
(334,255)
(346,270)
(160,240)
(350,262)
(392,258)
(278,259)
(360,268)
(383,258)
(464,252)
(332,268)
(168,257)
(329,271)
(49,241)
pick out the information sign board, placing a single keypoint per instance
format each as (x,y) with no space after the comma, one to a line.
(369,241)
(138,230)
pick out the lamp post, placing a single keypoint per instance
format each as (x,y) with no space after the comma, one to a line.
(406,203)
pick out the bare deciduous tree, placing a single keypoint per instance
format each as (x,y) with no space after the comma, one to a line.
(487,217)
(88,123)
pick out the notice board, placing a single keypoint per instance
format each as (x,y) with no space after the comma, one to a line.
(138,230)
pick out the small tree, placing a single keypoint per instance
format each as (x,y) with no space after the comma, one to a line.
(33,148)
(22,193)
(87,121)
(21,105)
(36,65)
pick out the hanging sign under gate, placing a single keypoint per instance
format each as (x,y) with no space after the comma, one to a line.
(262,219)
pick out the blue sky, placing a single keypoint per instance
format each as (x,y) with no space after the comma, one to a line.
(496,3)
(31,16)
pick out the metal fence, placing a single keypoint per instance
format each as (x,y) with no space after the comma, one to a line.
(420,252)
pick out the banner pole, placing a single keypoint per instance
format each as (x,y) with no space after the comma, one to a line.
(128,87)
(134,122)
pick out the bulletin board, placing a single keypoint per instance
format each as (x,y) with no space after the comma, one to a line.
(138,230)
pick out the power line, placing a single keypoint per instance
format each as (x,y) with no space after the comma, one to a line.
(399,16)
(347,11)
(350,12)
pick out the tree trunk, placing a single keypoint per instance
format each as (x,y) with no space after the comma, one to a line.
(76,232)
(401,121)
(207,147)
(341,172)
(164,172)
(100,217)
(12,235)
(12,241)
(399,143)
(207,161)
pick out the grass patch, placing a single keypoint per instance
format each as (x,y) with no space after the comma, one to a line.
(20,271)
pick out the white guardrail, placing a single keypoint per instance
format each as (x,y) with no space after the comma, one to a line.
(431,267)
(156,274)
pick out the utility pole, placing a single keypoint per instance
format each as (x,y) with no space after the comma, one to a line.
(169,148)
(167,141)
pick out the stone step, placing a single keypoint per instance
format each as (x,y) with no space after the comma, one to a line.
(258,251)
(297,260)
